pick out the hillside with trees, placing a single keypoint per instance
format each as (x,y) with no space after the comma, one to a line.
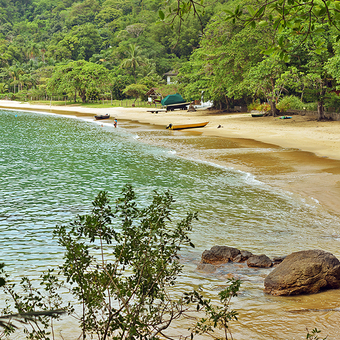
(38,39)
(233,52)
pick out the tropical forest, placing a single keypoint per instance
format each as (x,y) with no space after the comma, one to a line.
(232,52)
(95,245)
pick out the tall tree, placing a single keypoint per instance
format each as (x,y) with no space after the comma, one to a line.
(133,60)
(263,80)
(219,66)
(78,77)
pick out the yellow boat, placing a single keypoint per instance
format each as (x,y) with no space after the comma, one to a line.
(186,126)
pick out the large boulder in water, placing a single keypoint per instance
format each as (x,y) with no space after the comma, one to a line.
(219,255)
(304,272)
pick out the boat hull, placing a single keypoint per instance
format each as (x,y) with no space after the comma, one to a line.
(102,117)
(186,126)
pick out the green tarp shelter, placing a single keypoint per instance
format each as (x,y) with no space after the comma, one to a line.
(172,99)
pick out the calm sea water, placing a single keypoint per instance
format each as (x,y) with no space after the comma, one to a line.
(52,167)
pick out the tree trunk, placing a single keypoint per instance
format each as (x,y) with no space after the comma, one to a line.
(75,96)
(227,102)
(321,111)
(273,109)
(82,95)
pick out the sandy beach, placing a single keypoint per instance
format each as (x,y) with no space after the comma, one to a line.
(306,160)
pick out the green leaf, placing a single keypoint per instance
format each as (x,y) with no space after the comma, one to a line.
(161,15)
(228,12)
(322,11)
(286,59)
(260,11)
(251,10)
(269,51)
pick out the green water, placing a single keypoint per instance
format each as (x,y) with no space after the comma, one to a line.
(52,167)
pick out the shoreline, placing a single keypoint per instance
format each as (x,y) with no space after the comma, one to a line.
(301,132)
(303,156)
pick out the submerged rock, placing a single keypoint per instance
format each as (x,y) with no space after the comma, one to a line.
(260,261)
(219,255)
(304,272)
(206,267)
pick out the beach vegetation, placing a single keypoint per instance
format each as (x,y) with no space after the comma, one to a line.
(32,310)
(291,102)
(136,91)
(121,265)
(78,78)
(258,106)
(298,18)
(239,61)
(314,335)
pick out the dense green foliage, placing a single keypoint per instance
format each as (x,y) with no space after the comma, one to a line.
(238,61)
(233,52)
(39,38)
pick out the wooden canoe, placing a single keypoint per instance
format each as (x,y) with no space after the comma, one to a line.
(100,117)
(186,126)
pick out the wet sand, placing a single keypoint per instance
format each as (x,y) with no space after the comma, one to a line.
(299,155)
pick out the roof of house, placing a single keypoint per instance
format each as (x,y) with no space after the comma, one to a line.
(153,92)
(170,73)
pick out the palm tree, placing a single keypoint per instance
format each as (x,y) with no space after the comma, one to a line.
(14,72)
(33,50)
(134,59)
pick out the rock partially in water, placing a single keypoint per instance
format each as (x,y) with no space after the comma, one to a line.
(243,256)
(260,261)
(219,255)
(304,272)
(277,260)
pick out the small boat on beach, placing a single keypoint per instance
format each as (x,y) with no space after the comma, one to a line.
(257,114)
(99,117)
(186,126)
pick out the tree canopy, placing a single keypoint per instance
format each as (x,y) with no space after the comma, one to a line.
(222,50)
